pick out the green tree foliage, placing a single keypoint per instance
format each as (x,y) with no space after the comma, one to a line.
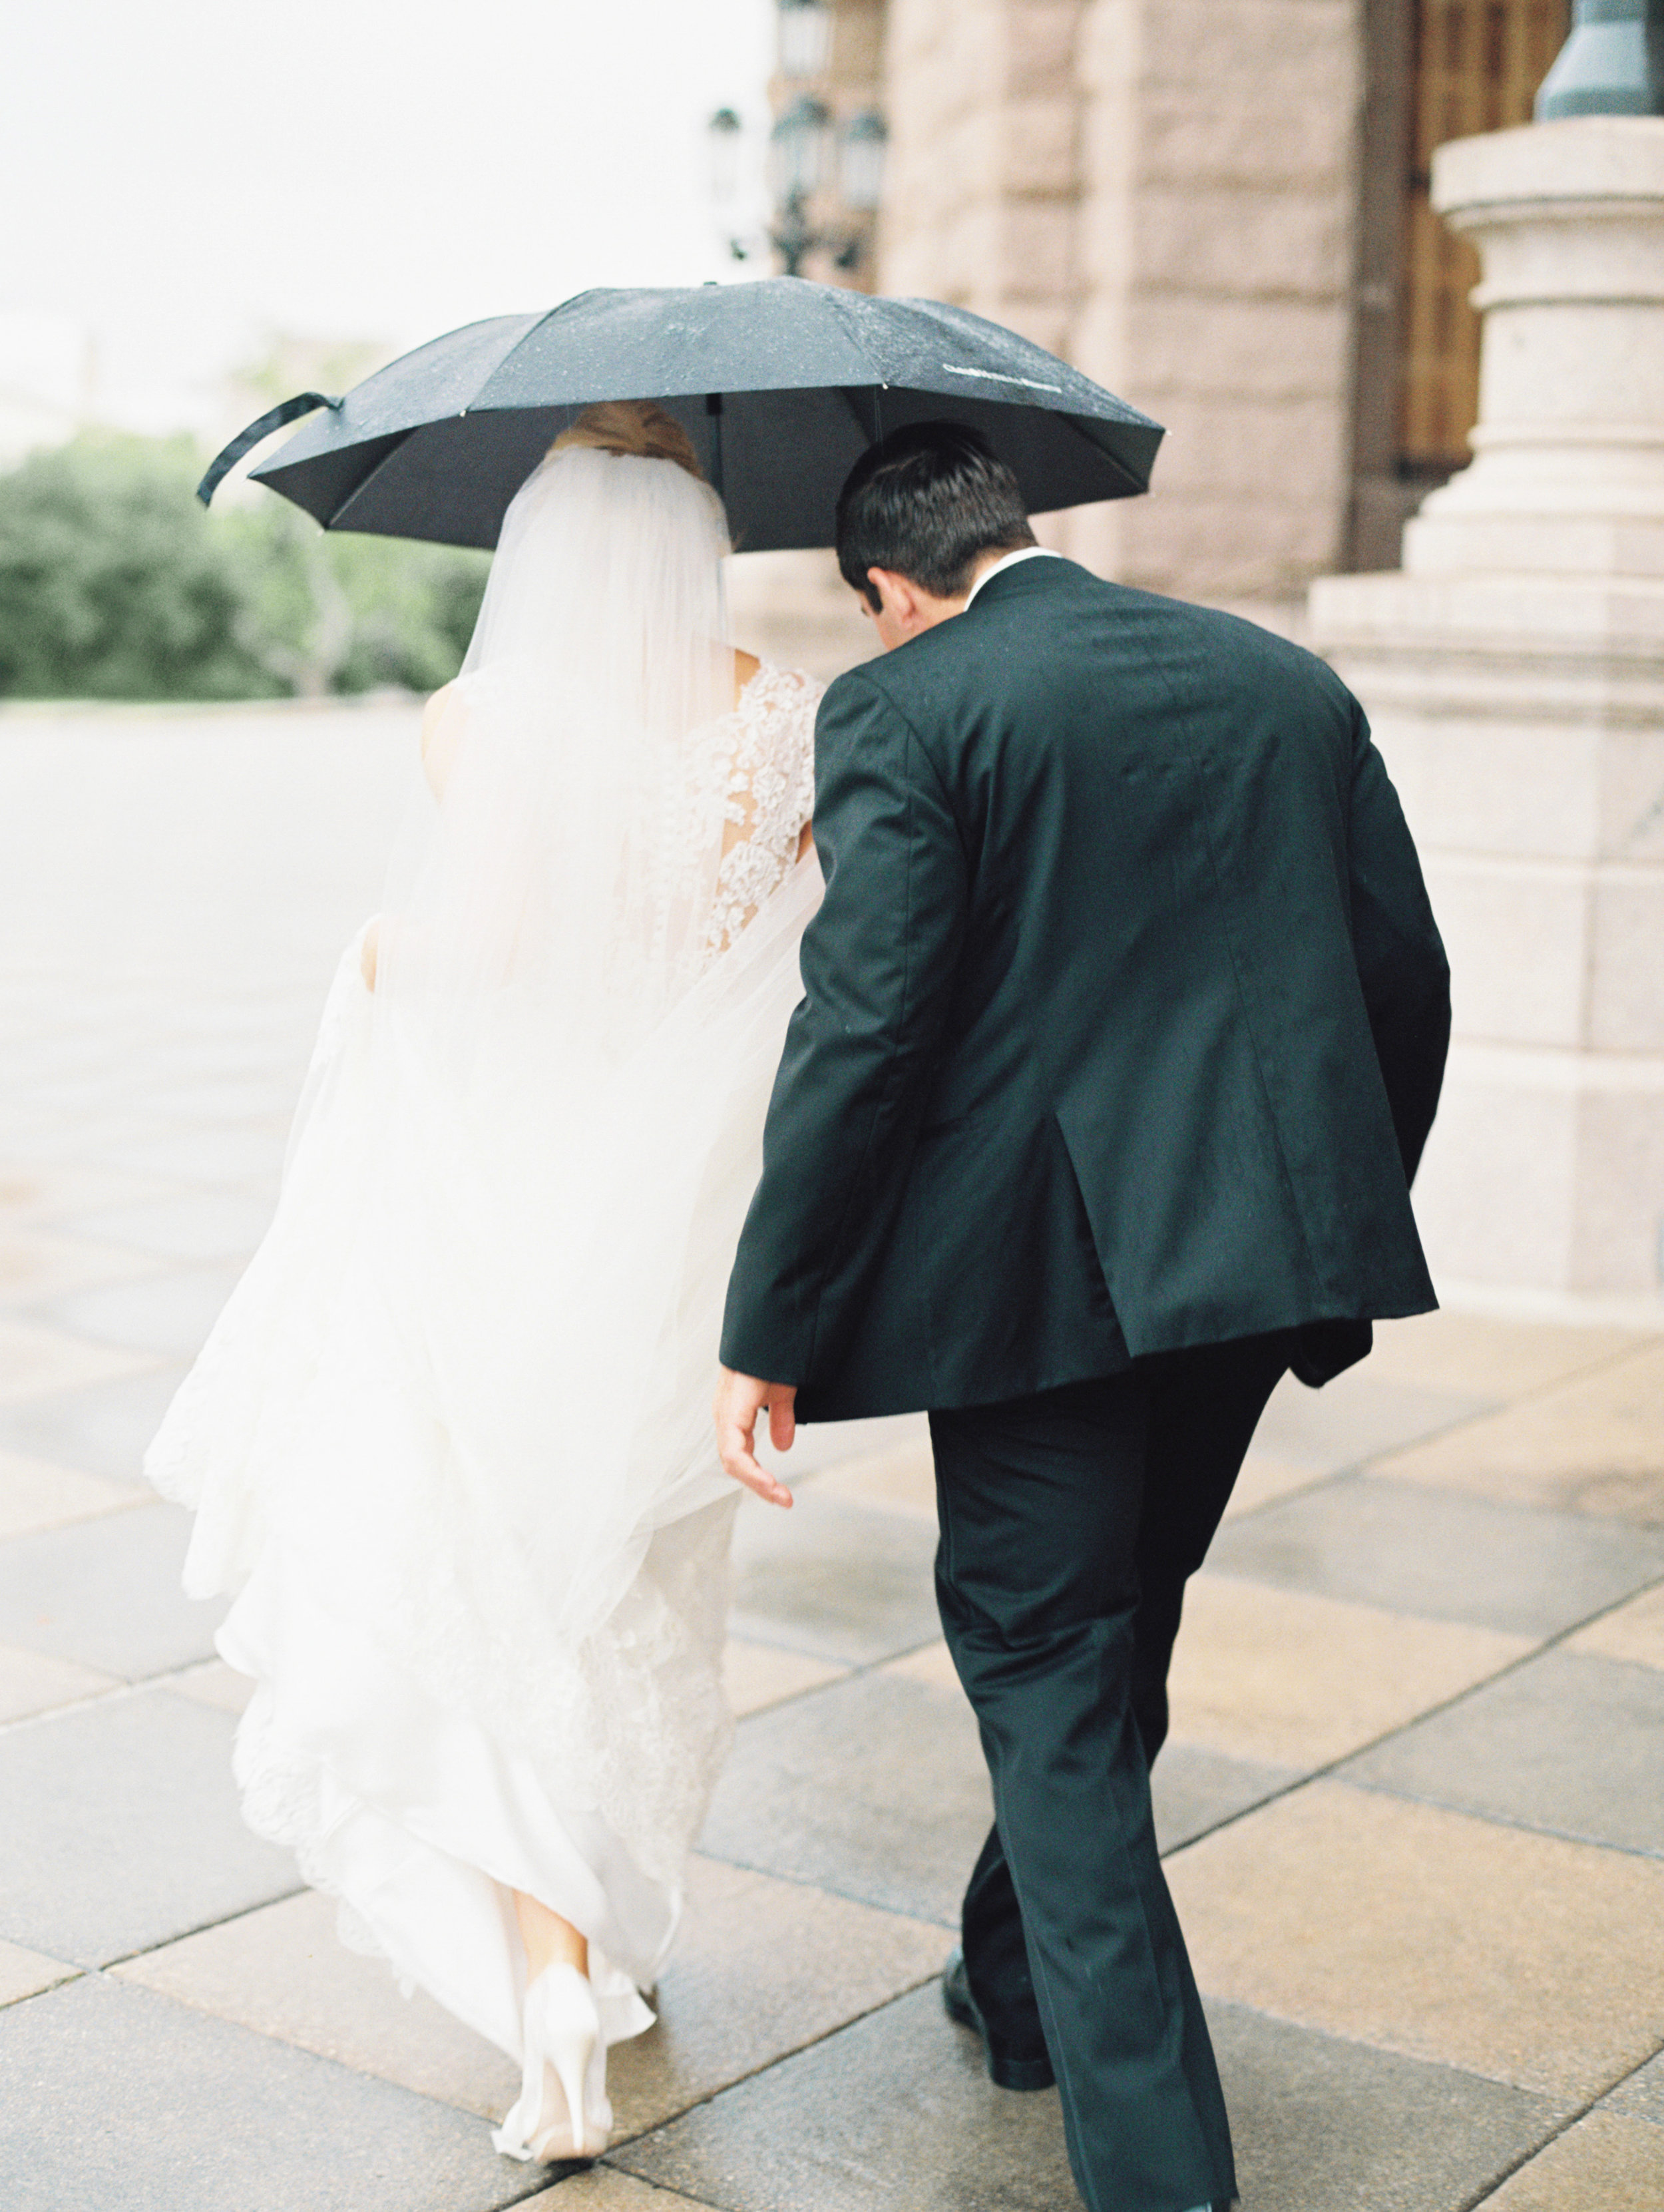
(114,584)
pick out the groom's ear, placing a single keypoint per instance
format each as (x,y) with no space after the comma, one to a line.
(897,596)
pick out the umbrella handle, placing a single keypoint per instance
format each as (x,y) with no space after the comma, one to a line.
(304,402)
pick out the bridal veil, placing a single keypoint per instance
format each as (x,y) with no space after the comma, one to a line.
(449,1444)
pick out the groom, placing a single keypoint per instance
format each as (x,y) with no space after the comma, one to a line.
(1124,1021)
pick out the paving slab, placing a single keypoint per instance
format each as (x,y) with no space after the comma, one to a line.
(1641,2094)
(122,2101)
(1633,1632)
(35,1494)
(836,1581)
(41,1191)
(283,1972)
(1193,1790)
(205,1155)
(42,1263)
(207,1224)
(163,1314)
(1604,2164)
(103,1430)
(1569,1744)
(1409,1549)
(1522,1957)
(231,1094)
(1264,1477)
(832,2131)
(1594,1444)
(1245,1681)
(212,1683)
(122,1829)
(1320,2124)
(25,1974)
(762,1968)
(105,1593)
(603,2188)
(1355,1417)
(36,1358)
(758,1675)
(821,1445)
(30,1683)
(1482,1355)
(873,1788)
(899,1480)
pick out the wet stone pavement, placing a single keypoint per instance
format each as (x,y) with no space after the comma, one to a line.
(1413,1806)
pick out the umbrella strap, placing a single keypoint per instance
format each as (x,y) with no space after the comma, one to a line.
(304,402)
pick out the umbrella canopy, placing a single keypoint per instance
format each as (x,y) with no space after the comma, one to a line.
(782,384)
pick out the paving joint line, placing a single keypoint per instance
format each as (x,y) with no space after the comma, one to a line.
(1560,2128)
(1329,1770)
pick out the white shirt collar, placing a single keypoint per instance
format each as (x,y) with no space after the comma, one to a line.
(1009,561)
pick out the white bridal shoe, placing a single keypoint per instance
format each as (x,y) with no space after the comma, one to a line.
(562,2110)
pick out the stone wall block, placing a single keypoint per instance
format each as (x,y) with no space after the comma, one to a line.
(1040,57)
(1186,136)
(1627,969)
(1110,41)
(1100,342)
(1617,1216)
(1047,323)
(1632,792)
(1518,940)
(1275,47)
(1496,1196)
(1039,147)
(914,32)
(1241,243)
(858,40)
(1485,786)
(1228,349)
(1035,250)
(1221,549)
(1273,451)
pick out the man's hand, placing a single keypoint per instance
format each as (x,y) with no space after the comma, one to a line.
(739,1399)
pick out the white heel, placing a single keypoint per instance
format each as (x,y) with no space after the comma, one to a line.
(562,2033)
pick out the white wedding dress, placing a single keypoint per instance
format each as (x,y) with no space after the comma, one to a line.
(449,1444)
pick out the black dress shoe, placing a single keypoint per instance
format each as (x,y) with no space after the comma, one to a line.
(1010,2067)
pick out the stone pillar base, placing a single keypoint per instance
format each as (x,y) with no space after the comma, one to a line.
(1521,719)
(1514,673)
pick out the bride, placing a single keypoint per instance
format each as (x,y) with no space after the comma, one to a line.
(449,1444)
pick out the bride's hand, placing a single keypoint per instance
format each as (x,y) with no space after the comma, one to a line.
(739,1399)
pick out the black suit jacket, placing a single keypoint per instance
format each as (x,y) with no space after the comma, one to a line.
(1124,1014)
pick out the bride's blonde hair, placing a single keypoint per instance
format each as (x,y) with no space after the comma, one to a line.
(637,427)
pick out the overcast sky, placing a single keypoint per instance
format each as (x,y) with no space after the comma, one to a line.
(180,177)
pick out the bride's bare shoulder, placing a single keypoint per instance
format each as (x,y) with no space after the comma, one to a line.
(443,720)
(746,665)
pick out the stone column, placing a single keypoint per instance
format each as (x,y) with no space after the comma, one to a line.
(1165,191)
(1514,672)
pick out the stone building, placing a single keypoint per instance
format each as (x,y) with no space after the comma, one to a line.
(1219,208)
(1224,210)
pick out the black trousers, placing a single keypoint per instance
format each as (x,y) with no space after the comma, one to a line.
(1070,1522)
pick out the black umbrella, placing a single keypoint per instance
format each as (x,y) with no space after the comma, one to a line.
(781,383)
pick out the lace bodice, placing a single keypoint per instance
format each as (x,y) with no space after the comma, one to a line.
(767,792)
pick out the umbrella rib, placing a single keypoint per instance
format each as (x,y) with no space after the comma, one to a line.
(842,316)
(370,475)
(1139,490)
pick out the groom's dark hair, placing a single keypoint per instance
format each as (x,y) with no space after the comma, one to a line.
(924,502)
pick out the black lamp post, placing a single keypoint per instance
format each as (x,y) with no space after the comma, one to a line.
(805,37)
(806,154)
(1612,64)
